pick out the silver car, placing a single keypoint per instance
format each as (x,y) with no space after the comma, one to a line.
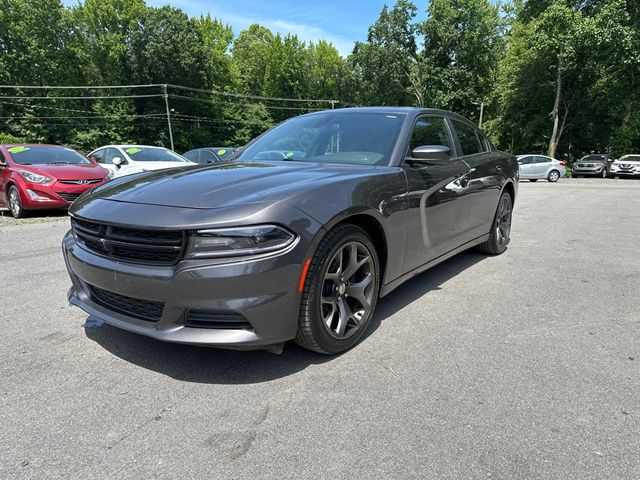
(535,167)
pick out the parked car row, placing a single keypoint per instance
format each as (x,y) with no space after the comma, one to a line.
(537,167)
(38,177)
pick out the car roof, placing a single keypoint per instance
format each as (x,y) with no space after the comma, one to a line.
(9,145)
(414,111)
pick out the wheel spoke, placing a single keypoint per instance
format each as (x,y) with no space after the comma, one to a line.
(357,291)
(335,276)
(344,316)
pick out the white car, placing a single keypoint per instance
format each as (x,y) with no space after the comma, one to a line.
(123,160)
(535,167)
(626,166)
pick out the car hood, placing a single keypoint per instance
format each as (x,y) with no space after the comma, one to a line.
(228,184)
(68,172)
(148,166)
(624,162)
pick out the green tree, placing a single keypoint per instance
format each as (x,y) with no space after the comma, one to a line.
(250,55)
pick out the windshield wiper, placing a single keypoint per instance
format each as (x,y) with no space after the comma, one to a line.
(59,163)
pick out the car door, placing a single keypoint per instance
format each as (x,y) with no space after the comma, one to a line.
(435,211)
(100,156)
(5,173)
(541,166)
(483,184)
(526,166)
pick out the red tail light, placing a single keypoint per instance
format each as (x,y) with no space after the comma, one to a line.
(563,164)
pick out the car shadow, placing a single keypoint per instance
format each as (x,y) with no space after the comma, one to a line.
(216,366)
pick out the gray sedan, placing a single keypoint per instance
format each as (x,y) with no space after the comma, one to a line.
(537,167)
(297,236)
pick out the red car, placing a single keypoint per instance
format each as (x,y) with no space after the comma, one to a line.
(36,177)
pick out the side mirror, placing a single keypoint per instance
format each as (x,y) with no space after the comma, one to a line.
(431,154)
(117,161)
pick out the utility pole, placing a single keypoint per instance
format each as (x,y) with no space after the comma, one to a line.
(166,104)
(333,104)
(481,114)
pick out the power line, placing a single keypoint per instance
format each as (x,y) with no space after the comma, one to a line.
(81,98)
(215,102)
(178,87)
(113,117)
(254,97)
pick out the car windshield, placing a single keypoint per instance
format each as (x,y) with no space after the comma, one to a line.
(593,158)
(355,138)
(153,154)
(45,155)
(630,158)
(223,153)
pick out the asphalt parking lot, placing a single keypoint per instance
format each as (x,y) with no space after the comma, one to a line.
(524,365)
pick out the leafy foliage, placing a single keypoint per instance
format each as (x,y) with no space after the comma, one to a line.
(554,76)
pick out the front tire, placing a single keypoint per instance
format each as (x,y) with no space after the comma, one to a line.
(340,292)
(500,235)
(553,176)
(15,204)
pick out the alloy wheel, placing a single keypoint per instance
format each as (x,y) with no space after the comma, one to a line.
(503,220)
(14,202)
(348,287)
(554,176)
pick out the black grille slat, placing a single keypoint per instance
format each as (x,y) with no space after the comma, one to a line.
(80,182)
(132,307)
(133,245)
(216,320)
(69,197)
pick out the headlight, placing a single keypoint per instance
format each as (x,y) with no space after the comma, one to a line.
(34,177)
(232,242)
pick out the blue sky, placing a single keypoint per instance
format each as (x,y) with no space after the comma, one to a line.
(341,22)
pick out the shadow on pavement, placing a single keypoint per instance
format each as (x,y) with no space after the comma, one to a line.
(210,365)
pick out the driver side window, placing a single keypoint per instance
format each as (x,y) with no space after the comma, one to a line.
(430,131)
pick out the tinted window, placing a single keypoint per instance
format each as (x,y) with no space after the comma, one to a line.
(525,160)
(98,156)
(468,138)
(223,153)
(542,160)
(42,155)
(193,155)
(2,159)
(484,142)
(207,156)
(430,131)
(330,137)
(110,154)
(148,154)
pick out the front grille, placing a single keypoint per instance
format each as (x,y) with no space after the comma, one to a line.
(129,306)
(81,182)
(216,320)
(69,197)
(134,245)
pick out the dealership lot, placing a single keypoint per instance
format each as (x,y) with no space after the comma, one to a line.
(524,365)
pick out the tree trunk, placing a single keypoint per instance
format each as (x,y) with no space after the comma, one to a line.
(555,135)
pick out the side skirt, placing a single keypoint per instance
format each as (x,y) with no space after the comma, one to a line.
(391,286)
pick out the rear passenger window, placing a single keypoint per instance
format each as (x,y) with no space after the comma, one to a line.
(542,160)
(468,139)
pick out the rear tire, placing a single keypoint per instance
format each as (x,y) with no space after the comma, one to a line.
(15,203)
(340,292)
(500,235)
(533,179)
(553,176)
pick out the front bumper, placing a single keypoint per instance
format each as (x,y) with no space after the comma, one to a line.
(625,173)
(588,171)
(57,195)
(263,291)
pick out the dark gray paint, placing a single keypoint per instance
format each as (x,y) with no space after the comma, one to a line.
(425,212)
